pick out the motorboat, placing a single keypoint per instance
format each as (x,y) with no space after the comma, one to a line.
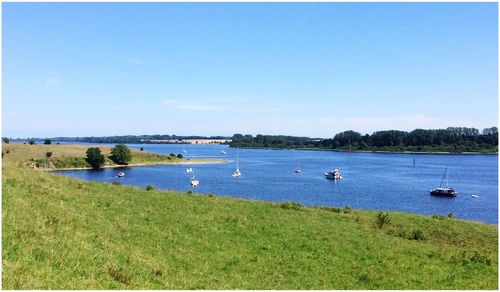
(120,174)
(195,182)
(334,174)
(189,169)
(298,170)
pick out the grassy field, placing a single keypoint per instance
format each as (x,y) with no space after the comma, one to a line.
(63,233)
(73,156)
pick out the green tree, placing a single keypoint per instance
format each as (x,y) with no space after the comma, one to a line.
(95,158)
(31,141)
(120,154)
(47,142)
(6,140)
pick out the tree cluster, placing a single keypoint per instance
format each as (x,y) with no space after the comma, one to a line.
(452,139)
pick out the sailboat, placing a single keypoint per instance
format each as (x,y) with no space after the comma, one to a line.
(237,172)
(194,181)
(184,150)
(444,191)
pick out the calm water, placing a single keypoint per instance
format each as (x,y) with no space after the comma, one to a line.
(371,181)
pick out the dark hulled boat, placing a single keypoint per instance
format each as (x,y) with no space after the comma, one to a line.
(444,191)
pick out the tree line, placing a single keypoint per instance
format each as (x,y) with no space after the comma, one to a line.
(452,139)
(127,139)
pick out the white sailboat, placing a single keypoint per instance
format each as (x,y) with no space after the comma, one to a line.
(237,172)
(445,191)
(194,181)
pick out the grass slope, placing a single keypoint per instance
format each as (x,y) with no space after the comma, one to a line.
(63,233)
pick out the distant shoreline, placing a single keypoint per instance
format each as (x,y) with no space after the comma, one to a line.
(374,151)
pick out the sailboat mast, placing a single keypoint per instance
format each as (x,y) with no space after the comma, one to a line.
(444,176)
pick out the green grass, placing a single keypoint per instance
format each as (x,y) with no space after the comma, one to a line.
(63,233)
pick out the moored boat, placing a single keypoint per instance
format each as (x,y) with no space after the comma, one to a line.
(120,174)
(446,191)
(334,174)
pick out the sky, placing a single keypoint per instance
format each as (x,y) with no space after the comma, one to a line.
(302,69)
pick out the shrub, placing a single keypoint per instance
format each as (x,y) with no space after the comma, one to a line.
(438,217)
(189,192)
(31,141)
(120,154)
(451,215)
(417,235)
(48,154)
(149,188)
(8,151)
(179,156)
(6,140)
(47,142)
(332,209)
(347,209)
(383,219)
(95,158)
(172,154)
(142,149)
(291,206)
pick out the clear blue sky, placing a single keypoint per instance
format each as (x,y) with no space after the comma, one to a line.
(92,69)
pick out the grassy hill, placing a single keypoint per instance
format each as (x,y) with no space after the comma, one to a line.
(63,233)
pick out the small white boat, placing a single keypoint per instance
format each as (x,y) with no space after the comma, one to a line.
(120,174)
(223,152)
(475,196)
(334,174)
(298,170)
(189,169)
(236,173)
(194,181)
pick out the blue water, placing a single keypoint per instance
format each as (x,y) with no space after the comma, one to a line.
(371,180)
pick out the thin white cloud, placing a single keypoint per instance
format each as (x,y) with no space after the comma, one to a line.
(134,60)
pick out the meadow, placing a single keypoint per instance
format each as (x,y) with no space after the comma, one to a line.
(64,233)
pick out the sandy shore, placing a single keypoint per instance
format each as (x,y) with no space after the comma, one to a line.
(214,161)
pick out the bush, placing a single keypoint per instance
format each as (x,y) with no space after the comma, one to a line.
(48,154)
(8,151)
(179,156)
(120,154)
(95,158)
(347,209)
(149,188)
(291,206)
(172,154)
(142,149)
(417,235)
(31,141)
(438,217)
(47,142)
(383,219)
(189,192)
(332,209)
(6,140)
(451,215)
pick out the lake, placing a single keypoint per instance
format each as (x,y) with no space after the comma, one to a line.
(371,180)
